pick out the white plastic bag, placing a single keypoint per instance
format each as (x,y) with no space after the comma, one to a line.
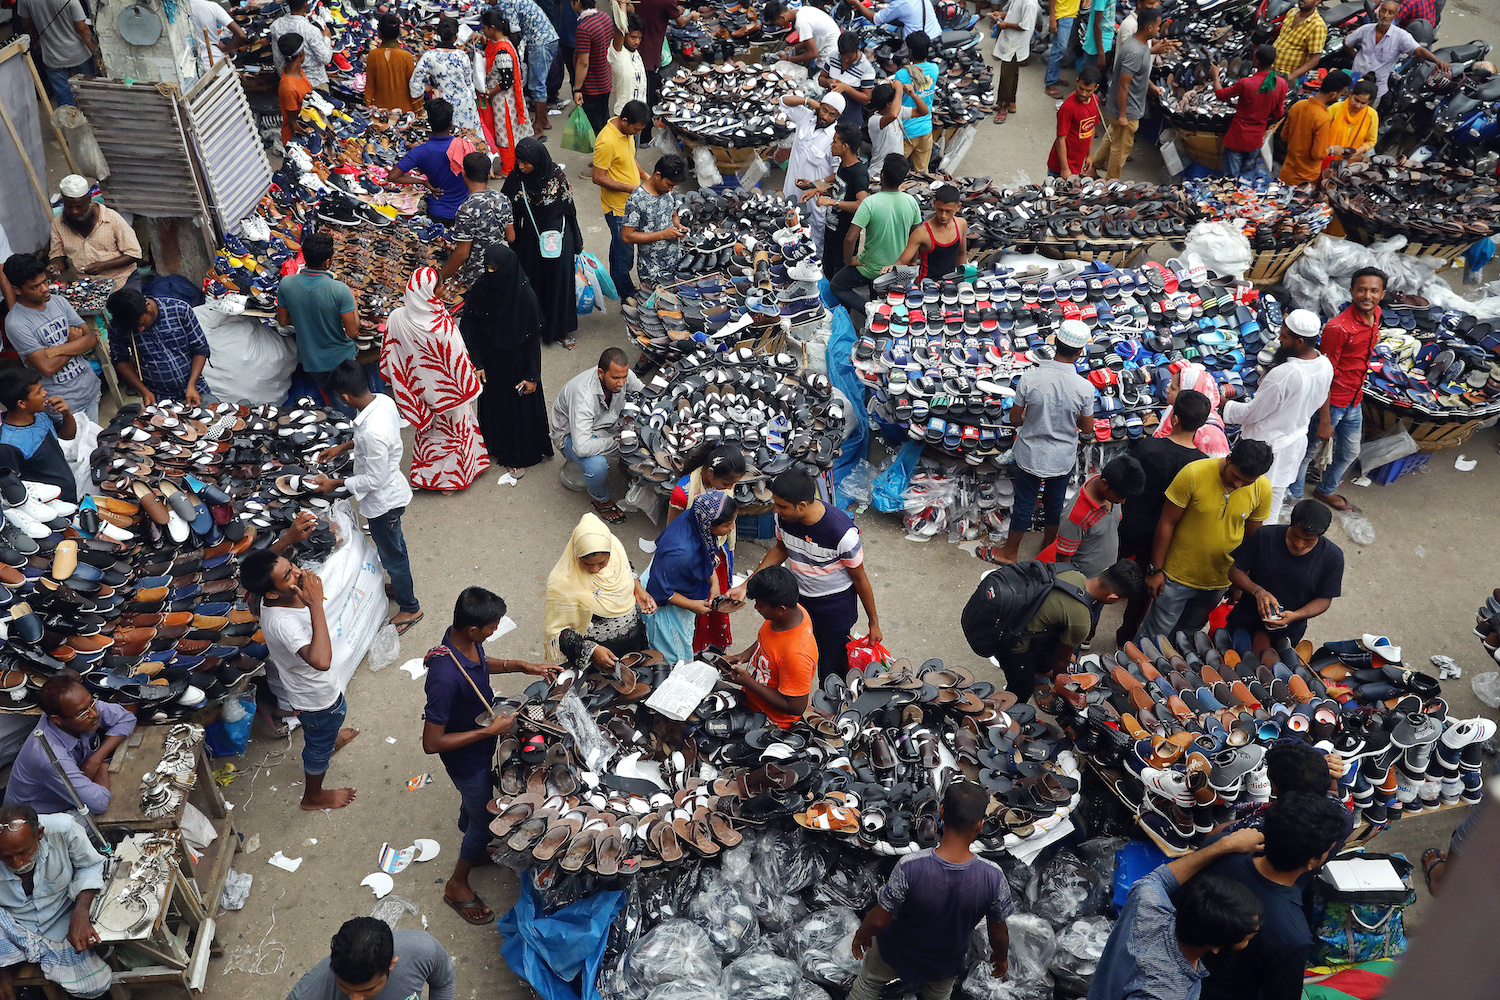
(1222,246)
(703,166)
(78,450)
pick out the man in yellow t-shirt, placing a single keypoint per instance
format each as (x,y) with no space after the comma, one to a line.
(1299,43)
(617,174)
(1212,506)
(1061,15)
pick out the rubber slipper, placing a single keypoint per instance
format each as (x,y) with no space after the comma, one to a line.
(403,627)
(472,910)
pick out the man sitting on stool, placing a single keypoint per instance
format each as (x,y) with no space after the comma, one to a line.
(82,731)
(586,424)
(48,881)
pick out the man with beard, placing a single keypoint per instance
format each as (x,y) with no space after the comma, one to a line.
(93,238)
(1289,394)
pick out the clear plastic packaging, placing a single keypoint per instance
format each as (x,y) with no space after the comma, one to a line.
(806,989)
(761,975)
(1064,887)
(1080,945)
(727,915)
(589,743)
(688,990)
(784,859)
(821,945)
(737,863)
(675,950)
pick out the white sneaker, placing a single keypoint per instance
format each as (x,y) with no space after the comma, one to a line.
(1258,785)
(27,524)
(1168,784)
(43,492)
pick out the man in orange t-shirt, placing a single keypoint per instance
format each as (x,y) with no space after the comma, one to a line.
(785,654)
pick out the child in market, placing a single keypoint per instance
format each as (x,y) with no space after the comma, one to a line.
(1012,44)
(28,445)
(784,656)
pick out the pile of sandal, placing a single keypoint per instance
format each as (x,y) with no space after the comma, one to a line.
(780,414)
(1180,727)
(1487,625)
(1430,203)
(1435,362)
(376,264)
(1278,218)
(708,104)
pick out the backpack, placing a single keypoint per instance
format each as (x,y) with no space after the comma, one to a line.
(1006,599)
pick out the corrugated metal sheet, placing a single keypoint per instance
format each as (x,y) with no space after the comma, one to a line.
(229,147)
(140,131)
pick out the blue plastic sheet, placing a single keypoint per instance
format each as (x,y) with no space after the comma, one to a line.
(841,373)
(552,951)
(891,483)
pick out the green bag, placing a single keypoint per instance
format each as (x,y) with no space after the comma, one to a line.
(578,134)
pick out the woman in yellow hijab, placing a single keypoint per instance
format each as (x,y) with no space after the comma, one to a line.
(594,602)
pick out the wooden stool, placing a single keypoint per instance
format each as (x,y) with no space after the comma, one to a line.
(30,974)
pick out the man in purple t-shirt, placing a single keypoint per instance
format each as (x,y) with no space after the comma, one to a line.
(919,929)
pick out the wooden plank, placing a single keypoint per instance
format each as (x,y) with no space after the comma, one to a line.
(198,971)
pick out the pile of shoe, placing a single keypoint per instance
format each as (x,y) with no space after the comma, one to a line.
(720,33)
(1429,203)
(1447,366)
(1182,726)
(944,356)
(1279,218)
(376,264)
(86,295)
(1487,625)
(709,104)
(782,415)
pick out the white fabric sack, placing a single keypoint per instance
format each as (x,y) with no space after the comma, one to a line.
(247,362)
(78,450)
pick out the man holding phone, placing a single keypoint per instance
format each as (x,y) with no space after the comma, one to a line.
(650,223)
(1304,567)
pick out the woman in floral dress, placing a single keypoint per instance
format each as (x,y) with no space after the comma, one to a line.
(424,359)
(448,72)
(504,111)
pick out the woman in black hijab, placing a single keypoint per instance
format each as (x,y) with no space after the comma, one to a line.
(547,237)
(501,325)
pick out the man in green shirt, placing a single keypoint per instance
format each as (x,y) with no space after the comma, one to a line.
(886,219)
(321,309)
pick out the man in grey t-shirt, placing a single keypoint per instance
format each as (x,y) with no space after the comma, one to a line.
(51,337)
(1053,403)
(60,31)
(368,961)
(1125,105)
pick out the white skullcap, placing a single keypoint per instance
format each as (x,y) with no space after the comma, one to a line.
(1304,324)
(1072,333)
(834,101)
(74,186)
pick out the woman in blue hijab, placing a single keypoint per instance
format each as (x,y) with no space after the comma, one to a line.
(682,576)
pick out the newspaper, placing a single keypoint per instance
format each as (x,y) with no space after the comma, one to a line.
(688,685)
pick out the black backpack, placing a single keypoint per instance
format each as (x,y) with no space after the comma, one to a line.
(1007,599)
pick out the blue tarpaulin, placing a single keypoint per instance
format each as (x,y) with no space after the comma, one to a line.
(841,373)
(552,951)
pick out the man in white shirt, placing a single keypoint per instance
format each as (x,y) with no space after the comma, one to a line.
(1282,407)
(319,48)
(585,424)
(627,70)
(301,655)
(812,156)
(212,19)
(1379,47)
(378,482)
(817,32)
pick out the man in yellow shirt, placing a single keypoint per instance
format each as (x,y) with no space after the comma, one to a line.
(1299,44)
(1307,129)
(1212,505)
(617,174)
(1061,15)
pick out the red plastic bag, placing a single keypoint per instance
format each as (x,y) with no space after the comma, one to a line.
(864,653)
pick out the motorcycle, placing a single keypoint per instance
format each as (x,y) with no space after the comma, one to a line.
(1466,128)
(1414,93)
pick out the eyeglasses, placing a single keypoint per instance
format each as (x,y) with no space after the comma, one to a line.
(92,705)
(14,825)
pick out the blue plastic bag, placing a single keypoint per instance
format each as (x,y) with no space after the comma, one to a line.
(856,443)
(226,739)
(891,483)
(550,951)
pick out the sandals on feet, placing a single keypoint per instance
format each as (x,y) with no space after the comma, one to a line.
(569,343)
(610,513)
(1000,117)
(1431,858)
(404,627)
(472,910)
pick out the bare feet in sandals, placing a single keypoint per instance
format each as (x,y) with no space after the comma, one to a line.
(405,620)
(1335,501)
(472,909)
(609,512)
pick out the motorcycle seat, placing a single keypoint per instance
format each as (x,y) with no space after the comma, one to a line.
(1339,13)
(1463,53)
(955,39)
(1487,91)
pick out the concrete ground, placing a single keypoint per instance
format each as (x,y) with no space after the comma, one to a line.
(1431,563)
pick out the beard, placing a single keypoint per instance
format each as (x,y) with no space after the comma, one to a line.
(1283,354)
(83,224)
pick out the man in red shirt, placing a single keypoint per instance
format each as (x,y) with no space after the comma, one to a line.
(1077,120)
(1348,340)
(1417,10)
(593,79)
(1260,99)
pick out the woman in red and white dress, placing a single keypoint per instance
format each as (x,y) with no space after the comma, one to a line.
(424,359)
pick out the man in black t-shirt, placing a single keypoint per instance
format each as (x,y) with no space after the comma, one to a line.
(845,188)
(1161,458)
(1291,574)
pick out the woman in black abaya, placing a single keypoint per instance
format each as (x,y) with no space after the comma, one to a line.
(547,237)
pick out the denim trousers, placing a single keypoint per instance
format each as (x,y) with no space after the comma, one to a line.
(1059,49)
(539,64)
(320,733)
(60,79)
(1179,606)
(1054,495)
(621,256)
(385,532)
(475,792)
(1249,166)
(1348,425)
(595,470)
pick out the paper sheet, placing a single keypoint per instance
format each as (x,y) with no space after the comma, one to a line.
(1364,875)
(688,684)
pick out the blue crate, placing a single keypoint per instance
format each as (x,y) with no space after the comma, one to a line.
(755,526)
(1392,471)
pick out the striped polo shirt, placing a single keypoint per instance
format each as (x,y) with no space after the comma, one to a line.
(822,553)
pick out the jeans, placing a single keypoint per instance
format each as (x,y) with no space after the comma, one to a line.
(874,974)
(596,106)
(540,59)
(566,64)
(833,618)
(1348,425)
(595,470)
(1054,495)
(847,286)
(1119,140)
(1249,166)
(385,532)
(320,732)
(1059,49)
(58,79)
(321,378)
(1179,606)
(475,792)
(621,256)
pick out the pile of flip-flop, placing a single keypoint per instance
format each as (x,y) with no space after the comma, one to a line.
(1435,362)
(709,104)
(781,415)
(1182,725)
(1430,203)
(1280,217)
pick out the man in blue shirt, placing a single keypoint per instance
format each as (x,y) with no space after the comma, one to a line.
(541,50)
(904,17)
(321,309)
(49,876)
(1172,919)
(158,347)
(82,732)
(445,186)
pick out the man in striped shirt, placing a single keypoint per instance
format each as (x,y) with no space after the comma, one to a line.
(821,546)
(1089,536)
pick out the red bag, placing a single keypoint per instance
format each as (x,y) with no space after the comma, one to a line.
(864,653)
